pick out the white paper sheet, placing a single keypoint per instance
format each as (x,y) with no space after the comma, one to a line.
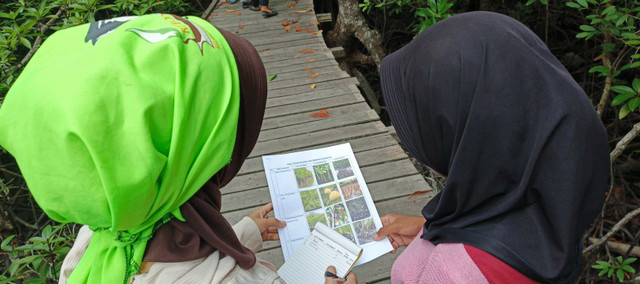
(323,185)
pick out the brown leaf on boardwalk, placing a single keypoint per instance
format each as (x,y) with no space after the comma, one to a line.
(291,5)
(318,32)
(324,110)
(294,21)
(419,192)
(310,31)
(299,29)
(213,15)
(231,11)
(307,70)
(307,51)
(314,22)
(285,23)
(287,28)
(314,75)
(313,86)
(241,27)
(311,60)
(265,49)
(320,114)
(303,11)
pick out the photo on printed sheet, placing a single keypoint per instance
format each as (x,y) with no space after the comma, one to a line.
(343,168)
(315,217)
(310,200)
(358,209)
(365,230)
(350,189)
(336,215)
(304,177)
(330,195)
(346,232)
(323,173)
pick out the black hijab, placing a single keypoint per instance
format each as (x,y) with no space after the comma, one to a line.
(480,98)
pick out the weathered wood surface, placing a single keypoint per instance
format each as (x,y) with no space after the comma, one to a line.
(288,126)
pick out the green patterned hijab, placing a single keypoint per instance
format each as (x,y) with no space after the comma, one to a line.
(116,123)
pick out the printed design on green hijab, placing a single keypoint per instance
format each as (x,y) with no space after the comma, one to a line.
(104,27)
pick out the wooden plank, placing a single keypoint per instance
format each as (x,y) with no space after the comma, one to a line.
(315,64)
(324,18)
(254,164)
(277,37)
(318,138)
(320,86)
(338,52)
(311,95)
(307,72)
(291,52)
(295,117)
(315,106)
(306,81)
(316,56)
(337,119)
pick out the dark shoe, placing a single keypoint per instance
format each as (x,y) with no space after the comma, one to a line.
(254,9)
(269,15)
(245,5)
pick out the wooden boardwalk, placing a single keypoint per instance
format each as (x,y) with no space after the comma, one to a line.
(288,125)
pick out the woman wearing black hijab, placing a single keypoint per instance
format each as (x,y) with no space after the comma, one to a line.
(480,99)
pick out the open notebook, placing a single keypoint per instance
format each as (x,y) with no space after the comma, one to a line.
(322,248)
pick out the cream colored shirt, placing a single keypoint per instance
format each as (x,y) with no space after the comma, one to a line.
(211,269)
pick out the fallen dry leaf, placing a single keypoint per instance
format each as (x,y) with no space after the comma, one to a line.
(287,28)
(295,21)
(599,57)
(314,75)
(311,60)
(303,11)
(299,29)
(310,31)
(320,114)
(213,15)
(241,27)
(237,13)
(265,49)
(307,70)
(318,32)
(307,51)
(419,192)
(285,23)
(324,110)
(314,22)
(231,11)
(313,86)
(291,5)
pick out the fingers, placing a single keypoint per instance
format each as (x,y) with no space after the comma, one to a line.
(265,209)
(351,278)
(330,276)
(273,222)
(384,231)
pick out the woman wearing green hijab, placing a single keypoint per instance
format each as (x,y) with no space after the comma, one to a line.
(131,126)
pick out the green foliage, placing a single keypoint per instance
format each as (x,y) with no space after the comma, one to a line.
(621,268)
(304,177)
(428,12)
(323,173)
(310,200)
(40,259)
(614,24)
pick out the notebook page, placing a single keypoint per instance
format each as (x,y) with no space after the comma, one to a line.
(309,262)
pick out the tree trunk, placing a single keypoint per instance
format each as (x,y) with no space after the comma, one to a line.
(350,24)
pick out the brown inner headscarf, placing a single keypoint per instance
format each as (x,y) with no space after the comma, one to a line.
(205,229)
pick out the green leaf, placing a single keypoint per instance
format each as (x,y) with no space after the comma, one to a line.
(583,3)
(46,232)
(5,244)
(608,10)
(628,268)
(619,259)
(603,272)
(620,274)
(633,104)
(585,35)
(622,89)
(25,42)
(633,42)
(544,2)
(623,113)
(530,2)
(611,271)
(600,68)
(587,28)
(636,87)
(573,5)
(273,77)
(622,98)
(629,260)
(630,36)
(621,20)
